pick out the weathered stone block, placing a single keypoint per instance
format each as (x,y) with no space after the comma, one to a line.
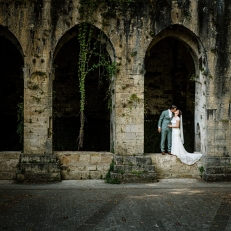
(128,168)
(118,160)
(140,160)
(92,168)
(74,158)
(129,160)
(118,168)
(65,160)
(95,159)
(106,158)
(84,159)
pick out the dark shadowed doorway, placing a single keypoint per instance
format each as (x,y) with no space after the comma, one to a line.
(11,94)
(169,78)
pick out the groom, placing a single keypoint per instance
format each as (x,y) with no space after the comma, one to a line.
(165,119)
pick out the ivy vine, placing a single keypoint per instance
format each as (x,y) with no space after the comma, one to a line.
(88,49)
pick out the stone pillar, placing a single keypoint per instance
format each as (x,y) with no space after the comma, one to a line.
(37,161)
(130,164)
(37,109)
(129,114)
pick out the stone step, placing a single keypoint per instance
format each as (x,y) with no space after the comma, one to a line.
(218,161)
(218,170)
(35,158)
(38,168)
(130,168)
(134,178)
(41,177)
(133,169)
(133,160)
(7,175)
(216,177)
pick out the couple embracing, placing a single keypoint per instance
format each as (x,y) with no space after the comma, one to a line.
(170,125)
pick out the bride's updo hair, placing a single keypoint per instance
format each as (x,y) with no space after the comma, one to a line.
(180,113)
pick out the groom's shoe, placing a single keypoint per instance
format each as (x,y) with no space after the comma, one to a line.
(169,153)
(163,153)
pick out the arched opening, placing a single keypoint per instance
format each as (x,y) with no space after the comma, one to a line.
(66,95)
(170,78)
(11,92)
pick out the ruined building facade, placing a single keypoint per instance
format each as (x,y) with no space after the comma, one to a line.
(165,52)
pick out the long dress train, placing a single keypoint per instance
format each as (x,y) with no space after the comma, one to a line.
(178,147)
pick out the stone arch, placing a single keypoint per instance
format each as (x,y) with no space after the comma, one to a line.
(11,89)
(73,32)
(68,37)
(190,40)
(4,32)
(198,54)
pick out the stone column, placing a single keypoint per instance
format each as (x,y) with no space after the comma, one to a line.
(37,109)
(130,164)
(129,114)
(37,161)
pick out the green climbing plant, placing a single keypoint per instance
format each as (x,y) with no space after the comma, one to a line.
(89,49)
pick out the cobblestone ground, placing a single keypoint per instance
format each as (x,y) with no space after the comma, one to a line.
(93,205)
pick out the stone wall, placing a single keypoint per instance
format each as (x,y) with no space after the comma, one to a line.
(84,165)
(38,29)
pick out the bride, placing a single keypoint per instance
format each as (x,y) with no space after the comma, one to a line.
(178,140)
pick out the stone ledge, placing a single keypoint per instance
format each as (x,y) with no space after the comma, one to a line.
(167,166)
(36,158)
(9,155)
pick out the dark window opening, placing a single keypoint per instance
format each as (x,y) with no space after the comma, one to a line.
(66,103)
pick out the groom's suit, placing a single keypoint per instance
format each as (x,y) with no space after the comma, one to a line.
(164,120)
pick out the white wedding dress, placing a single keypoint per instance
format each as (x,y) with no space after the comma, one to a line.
(178,147)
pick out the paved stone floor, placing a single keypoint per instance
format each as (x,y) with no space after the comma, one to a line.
(93,205)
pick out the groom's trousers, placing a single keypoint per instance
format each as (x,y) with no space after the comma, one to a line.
(166,133)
